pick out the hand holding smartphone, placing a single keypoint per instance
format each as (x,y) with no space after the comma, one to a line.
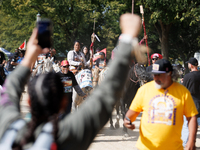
(45,28)
(128,120)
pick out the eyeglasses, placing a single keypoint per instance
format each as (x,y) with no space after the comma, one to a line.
(154,58)
(65,66)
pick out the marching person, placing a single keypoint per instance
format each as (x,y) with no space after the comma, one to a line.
(12,63)
(154,58)
(192,82)
(2,59)
(163,103)
(76,58)
(20,57)
(69,81)
(76,131)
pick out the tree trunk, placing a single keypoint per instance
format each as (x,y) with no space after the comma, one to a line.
(165,40)
(165,44)
(163,31)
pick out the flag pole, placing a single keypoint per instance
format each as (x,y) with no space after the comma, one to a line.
(132,6)
(142,12)
(94,26)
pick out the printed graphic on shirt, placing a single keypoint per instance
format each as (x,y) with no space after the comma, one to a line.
(78,57)
(162,110)
(67,83)
(101,64)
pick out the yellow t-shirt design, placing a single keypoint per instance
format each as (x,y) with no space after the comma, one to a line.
(162,117)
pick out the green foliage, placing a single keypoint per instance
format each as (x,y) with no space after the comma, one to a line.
(13,32)
(74,19)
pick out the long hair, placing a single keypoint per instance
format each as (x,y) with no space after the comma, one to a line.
(87,56)
(46,93)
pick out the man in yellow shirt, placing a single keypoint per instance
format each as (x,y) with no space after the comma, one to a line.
(163,103)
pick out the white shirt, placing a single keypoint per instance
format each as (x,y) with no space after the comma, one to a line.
(71,58)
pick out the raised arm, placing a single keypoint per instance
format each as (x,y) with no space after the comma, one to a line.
(12,89)
(79,129)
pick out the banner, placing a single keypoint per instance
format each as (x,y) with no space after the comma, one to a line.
(96,56)
(23,46)
(84,78)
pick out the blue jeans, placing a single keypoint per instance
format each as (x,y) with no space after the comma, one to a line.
(185,131)
(198,121)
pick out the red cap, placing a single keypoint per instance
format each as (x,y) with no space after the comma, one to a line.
(64,63)
(156,55)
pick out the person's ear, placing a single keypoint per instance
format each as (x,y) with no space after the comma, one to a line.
(169,73)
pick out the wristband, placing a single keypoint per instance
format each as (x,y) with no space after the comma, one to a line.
(126,38)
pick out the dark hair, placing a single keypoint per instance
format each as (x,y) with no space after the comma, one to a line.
(102,53)
(87,56)
(78,42)
(46,92)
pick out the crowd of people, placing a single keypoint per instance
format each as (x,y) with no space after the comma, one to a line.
(169,109)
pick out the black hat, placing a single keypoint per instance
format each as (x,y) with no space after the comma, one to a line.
(102,53)
(161,66)
(193,61)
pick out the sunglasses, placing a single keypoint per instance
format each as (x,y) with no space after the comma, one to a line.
(154,58)
(65,66)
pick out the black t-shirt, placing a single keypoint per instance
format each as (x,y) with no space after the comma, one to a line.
(192,82)
(69,81)
(11,67)
(100,63)
(2,57)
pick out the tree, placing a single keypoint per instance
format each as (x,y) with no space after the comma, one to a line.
(72,19)
(164,14)
(13,32)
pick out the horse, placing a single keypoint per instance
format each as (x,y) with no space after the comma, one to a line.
(179,69)
(45,67)
(103,74)
(95,77)
(56,68)
(84,80)
(137,76)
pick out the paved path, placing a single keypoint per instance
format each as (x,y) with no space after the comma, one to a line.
(108,139)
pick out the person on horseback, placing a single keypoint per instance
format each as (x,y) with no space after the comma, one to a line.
(51,55)
(76,131)
(69,81)
(101,62)
(88,59)
(76,58)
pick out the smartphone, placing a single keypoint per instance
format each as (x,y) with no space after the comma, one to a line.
(45,28)
(128,120)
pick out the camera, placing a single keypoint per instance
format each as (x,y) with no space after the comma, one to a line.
(45,28)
